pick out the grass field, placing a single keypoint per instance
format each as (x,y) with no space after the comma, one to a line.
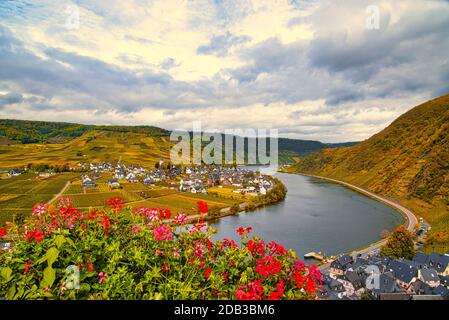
(19,194)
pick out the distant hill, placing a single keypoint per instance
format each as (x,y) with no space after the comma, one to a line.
(22,142)
(408,161)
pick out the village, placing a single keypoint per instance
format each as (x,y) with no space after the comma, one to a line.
(425,277)
(186,179)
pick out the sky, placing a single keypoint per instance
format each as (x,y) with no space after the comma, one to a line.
(316,70)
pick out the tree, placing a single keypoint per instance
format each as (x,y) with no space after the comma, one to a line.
(399,245)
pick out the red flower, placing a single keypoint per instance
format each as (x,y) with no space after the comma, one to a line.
(276,295)
(116,204)
(27,266)
(3,232)
(240,230)
(268,265)
(253,291)
(39,236)
(207,272)
(256,247)
(90,268)
(202,207)
(276,248)
(164,214)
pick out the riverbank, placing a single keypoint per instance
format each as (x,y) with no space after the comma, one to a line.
(275,195)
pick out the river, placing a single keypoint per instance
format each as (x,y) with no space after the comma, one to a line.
(316,215)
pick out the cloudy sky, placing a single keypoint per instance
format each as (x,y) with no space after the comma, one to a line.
(311,68)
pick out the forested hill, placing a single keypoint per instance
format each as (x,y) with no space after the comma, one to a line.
(408,161)
(24,131)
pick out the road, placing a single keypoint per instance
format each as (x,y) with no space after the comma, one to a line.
(411,223)
(60,193)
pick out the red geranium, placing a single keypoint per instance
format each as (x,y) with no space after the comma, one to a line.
(202,207)
(268,265)
(3,232)
(253,291)
(27,266)
(116,204)
(256,247)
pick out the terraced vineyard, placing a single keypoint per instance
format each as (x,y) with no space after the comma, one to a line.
(93,146)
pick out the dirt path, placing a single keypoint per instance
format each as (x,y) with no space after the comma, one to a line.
(60,193)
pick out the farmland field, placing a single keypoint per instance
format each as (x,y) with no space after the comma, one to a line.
(19,194)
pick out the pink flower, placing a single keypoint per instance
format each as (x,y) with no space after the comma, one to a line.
(162,232)
(135,229)
(65,202)
(199,248)
(153,215)
(102,277)
(39,209)
(180,219)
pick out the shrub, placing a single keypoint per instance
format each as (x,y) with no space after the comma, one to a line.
(66,253)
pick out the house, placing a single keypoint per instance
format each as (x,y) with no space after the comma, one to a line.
(262,190)
(113,184)
(335,286)
(404,273)
(340,265)
(131,177)
(353,282)
(420,288)
(87,182)
(386,285)
(120,175)
(430,277)
(14,172)
(148,181)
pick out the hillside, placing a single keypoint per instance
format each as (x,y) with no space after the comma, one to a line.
(407,161)
(56,143)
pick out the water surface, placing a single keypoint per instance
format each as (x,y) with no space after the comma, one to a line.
(316,215)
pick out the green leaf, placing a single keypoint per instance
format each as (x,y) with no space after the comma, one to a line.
(6,273)
(11,292)
(59,240)
(49,277)
(50,256)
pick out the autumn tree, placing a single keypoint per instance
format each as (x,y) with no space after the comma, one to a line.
(399,245)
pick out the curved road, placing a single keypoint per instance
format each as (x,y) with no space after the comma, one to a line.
(412,220)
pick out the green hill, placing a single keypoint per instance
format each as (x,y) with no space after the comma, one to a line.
(408,161)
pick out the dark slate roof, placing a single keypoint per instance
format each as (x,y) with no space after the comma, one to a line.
(429,275)
(387,284)
(342,262)
(402,271)
(421,287)
(421,258)
(355,278)
(442,263)
(336,286)
(324,292)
